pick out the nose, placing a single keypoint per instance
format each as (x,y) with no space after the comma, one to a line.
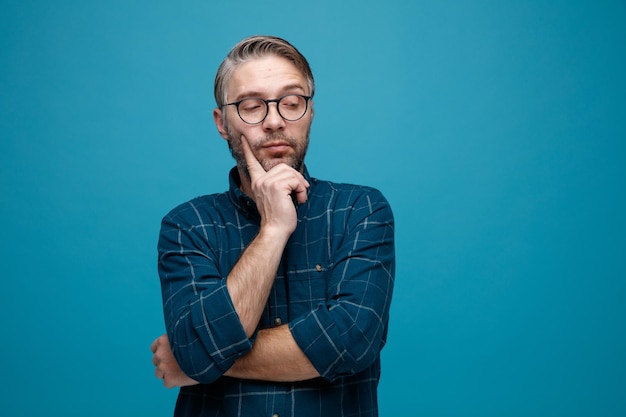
(273,120)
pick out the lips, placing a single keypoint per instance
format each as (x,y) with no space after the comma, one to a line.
(277,147)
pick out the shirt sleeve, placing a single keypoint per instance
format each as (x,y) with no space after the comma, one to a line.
(204,330)
(345,335)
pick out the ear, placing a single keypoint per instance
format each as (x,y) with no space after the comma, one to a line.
(218,118)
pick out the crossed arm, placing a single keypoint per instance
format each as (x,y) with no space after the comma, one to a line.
(341,337)
(275,356)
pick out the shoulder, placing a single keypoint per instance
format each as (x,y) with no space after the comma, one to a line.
(197,208)
(346,193)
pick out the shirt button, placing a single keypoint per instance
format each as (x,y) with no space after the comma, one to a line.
(277,322)
(318,268)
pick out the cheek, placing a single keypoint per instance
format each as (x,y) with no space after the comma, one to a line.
(236,128)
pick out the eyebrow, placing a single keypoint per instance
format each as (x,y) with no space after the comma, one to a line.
(257,94)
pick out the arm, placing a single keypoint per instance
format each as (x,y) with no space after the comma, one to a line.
(344,334)
(211,319)
(275,356)
(251,280)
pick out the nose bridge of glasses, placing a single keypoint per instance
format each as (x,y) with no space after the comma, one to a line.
(272,117)
(275,101)
(276,107)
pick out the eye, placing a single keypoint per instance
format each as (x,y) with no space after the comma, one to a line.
(290,101)
(251,105)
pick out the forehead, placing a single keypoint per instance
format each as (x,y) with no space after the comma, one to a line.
(267,77)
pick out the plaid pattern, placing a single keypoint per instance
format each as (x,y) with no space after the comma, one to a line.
(333,287)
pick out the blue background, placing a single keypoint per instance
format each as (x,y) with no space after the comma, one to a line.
(496,130)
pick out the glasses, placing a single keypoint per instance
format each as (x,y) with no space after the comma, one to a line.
(253,111)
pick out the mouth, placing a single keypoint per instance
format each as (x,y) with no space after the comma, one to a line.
(277,147)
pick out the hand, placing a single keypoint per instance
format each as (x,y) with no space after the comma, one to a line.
(167,368)
(273,191)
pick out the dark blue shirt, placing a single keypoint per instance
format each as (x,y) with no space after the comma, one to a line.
(333,288)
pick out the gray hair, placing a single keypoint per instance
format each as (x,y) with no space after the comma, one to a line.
(257,47)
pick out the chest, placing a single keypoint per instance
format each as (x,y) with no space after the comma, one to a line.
(301,282)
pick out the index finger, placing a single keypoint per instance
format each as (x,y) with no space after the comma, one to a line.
(255,169)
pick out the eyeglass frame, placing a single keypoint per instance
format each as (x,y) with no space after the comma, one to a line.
(267,107)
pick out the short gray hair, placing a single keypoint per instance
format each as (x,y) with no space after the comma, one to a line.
(257,47)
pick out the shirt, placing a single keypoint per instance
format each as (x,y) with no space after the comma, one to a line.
(333,288)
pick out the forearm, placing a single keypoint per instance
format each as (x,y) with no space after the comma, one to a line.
(252,277)
(275,356)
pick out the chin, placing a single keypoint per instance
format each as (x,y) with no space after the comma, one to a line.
(271,163)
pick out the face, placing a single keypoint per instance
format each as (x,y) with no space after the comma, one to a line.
(274,140)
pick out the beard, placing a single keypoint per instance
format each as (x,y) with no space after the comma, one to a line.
(295,160)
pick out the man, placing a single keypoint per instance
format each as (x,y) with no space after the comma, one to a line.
(276,293)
